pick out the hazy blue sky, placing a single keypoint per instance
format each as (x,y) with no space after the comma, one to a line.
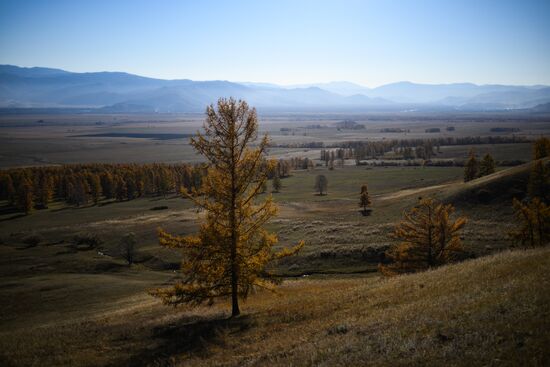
(285,42)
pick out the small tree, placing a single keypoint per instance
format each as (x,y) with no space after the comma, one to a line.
(164,181)
(471,167)
(429,238)
(45,191)
(127,247)
(81,191)
(487,165)
(541,148)
(533,227)
(25,196)
(263,188)
(121,193)
(131,188)
(10,193)
(95,188)
(277,183)
(539,181)
(108,185)
(364,199)
(321,184)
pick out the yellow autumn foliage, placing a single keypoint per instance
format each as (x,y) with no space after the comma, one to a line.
(227,258)
(429,237)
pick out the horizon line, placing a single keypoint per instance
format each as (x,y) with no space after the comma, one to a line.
(293,85)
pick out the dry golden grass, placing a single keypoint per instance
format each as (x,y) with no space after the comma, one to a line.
(488,311)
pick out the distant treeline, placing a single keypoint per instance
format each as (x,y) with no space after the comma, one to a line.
(421,148)
(431,163)
(407,149)
(79,184)
(440,141)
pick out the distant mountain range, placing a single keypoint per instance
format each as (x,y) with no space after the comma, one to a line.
(122,92)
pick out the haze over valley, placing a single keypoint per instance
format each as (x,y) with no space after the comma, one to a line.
(274,183)
(115,92)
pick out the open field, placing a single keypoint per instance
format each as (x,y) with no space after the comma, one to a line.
(59,139)
(339,238)
(68,305)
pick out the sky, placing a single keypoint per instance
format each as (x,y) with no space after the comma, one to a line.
(285,41)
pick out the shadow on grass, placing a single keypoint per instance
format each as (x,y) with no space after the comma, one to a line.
(110,202)
(73,207)
(13,217)
(169,341)
(8,209)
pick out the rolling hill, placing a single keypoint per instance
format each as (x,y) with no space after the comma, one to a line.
(488,311)
(122,92)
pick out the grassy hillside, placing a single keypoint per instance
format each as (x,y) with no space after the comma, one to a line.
(67,305)
(500,186)
(488,311)
(339,239)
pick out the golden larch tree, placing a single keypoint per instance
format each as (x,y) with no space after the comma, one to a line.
(229,255)
(321,184)
(541,148)
(45,191)
(533,225)
(95,188)
(25,196)
(487,165)
(429,237)
(364,198)
(539,181)
(471,167)
(277,183)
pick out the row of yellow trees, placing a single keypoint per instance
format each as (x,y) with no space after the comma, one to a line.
(32,188)
(80,184)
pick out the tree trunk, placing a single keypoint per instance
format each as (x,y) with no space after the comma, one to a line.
(234,268)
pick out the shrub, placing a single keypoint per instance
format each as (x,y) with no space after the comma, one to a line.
(429,238)
(533,223)
(338,329)
(89,240)
(127,247)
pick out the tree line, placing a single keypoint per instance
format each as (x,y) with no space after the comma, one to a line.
(408,149)
(440,141)
(80,184)
(30,188)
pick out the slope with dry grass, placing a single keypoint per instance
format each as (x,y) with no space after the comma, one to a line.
(488,311)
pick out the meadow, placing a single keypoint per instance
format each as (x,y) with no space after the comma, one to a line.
(30,140)
(70,305)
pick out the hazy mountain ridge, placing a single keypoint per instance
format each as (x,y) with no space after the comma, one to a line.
(118,91)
